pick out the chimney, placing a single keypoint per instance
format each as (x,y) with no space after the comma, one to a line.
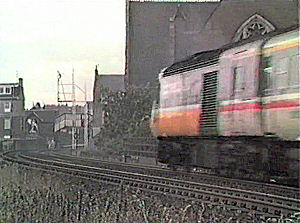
(96,71)
(21,82)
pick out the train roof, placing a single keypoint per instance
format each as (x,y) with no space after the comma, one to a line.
(211,57)
(195,61)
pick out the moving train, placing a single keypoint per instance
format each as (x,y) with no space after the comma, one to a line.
(234,110)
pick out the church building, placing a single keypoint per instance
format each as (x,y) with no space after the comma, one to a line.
(161,32)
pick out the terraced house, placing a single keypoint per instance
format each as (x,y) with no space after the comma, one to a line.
(12,113)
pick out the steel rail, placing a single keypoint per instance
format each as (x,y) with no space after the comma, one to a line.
(193,177)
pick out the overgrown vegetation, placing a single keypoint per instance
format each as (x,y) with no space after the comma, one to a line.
(126,114)
(34,196)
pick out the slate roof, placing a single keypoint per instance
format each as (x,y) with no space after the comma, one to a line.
(43,115)
(115,82)
(195,61)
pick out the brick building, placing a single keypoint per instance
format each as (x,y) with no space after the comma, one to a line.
(40,122)
(113,82)
(12,112)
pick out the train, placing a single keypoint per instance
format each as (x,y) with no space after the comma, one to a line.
(233,110)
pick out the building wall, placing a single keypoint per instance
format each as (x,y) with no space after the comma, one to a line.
(113,82)
(159,33)
(14,111)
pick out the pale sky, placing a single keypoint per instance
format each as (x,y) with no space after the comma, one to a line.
(39,37)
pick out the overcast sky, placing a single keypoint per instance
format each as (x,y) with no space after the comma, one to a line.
(39,37)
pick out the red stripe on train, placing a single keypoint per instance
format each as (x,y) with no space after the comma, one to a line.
(257,106)
(283,104)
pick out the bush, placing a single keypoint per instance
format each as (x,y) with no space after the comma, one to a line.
(126,114)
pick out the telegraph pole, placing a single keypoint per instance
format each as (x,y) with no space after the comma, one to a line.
(86,121)
(74,149)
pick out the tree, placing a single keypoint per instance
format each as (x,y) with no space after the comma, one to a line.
(126,114)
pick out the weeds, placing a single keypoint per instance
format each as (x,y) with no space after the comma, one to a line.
(34,196)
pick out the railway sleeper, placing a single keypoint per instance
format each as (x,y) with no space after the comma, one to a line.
(216,199)
(254,207)
(207,198)
(192,195)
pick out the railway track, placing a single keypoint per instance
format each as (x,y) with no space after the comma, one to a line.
(140,146)
(268,204)
(191,177)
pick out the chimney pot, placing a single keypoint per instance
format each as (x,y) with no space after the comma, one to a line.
(21,82)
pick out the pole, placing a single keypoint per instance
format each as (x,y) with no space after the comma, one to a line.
(73,114)
(58,78)
(86,121)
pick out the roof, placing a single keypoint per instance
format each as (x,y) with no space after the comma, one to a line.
(5,84)
(211,57)
(195,61)
(15,94)
(43,115)
(115,82)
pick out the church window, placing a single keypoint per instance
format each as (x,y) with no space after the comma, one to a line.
(255,25)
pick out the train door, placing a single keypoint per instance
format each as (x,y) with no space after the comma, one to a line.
(240,103)
(238,92)
(208,118)
(245,101)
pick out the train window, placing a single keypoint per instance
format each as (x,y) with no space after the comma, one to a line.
(239,78)
(267,71)
(281,72)
(163,102)
(194,93)
(294,70)
(171,100)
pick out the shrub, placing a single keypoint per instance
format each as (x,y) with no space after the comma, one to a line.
(126,114)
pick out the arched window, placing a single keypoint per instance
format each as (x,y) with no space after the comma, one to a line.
(255,25)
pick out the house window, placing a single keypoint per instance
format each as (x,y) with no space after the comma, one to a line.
(1,90)
(21,124)
(7,107)
(7,90)
(7,124)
